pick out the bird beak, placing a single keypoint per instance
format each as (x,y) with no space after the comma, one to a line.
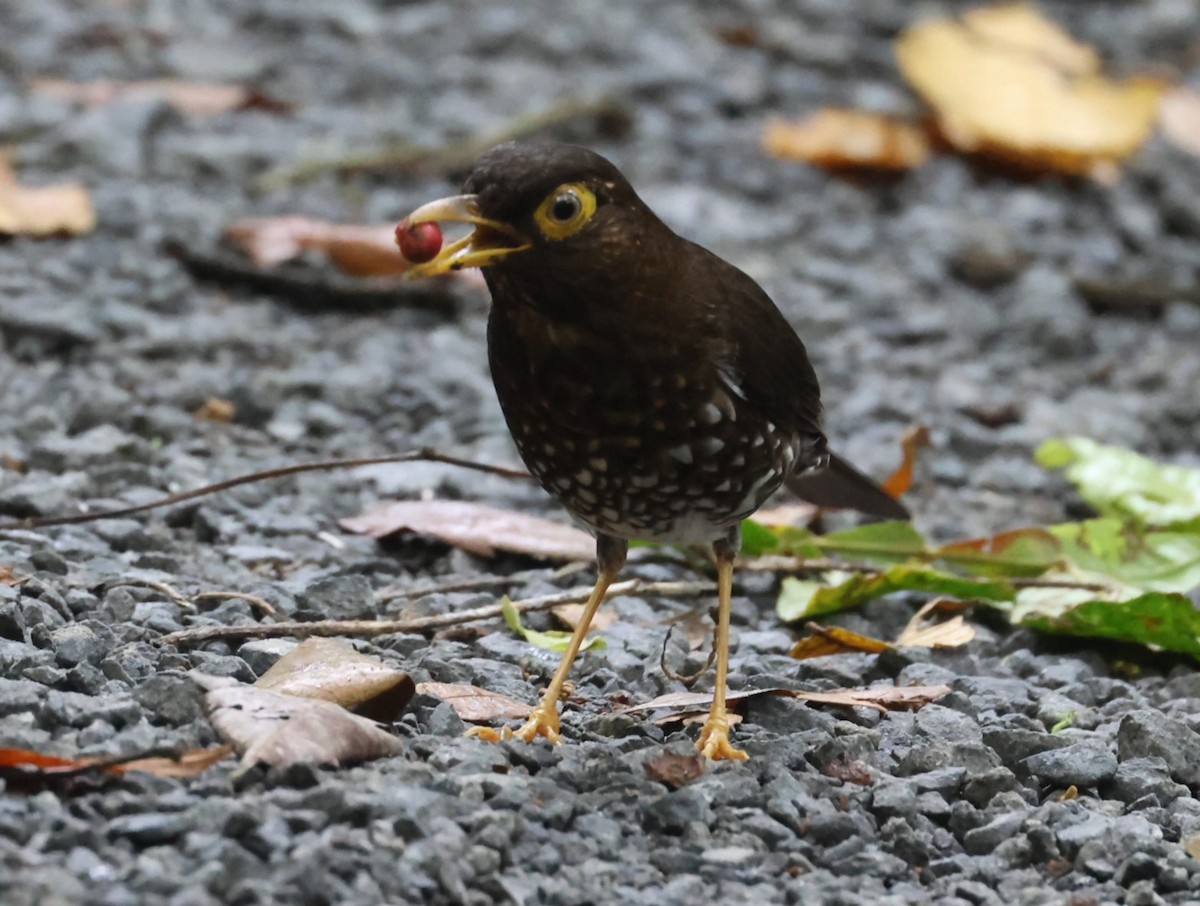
(489,242)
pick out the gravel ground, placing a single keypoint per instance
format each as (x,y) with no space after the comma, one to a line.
(948,297)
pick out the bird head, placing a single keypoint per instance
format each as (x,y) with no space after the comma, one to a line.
(545,212)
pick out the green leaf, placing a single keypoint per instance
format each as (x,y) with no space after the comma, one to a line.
(1166,560)
(1124,484)
(878,541)
(1167,621)
(551,640)
(1021,552)
(806,598)
(757,539)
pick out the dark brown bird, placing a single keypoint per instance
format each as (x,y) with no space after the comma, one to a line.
(651,387)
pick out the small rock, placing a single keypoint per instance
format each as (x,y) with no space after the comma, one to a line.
(1150,733)
(1140,777)
(77,644)
(172,699)
(261,654)
(339,598)
(672,813)
(1084,764)
(982,840)
(150,829)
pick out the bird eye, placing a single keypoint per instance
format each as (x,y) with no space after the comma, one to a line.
(565,206)
(565,210)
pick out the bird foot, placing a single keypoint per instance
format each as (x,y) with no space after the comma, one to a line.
(714,741)
(543,721)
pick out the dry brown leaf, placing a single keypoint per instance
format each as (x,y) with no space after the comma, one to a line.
(571,614)
(848,140)
(475,704)
(361,251)
(1179,117)
(331,670)
(924,630)
(914,439)
(8,577)
(881,698)
(1000,91)
(675,770)
(843,768)
(215,409)
(475,527)
(1020,27)
(268,727)
(62,209)
(189,764)
(827,640)
(195,98)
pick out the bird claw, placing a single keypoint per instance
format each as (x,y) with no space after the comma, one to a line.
(542,722)
(714,741)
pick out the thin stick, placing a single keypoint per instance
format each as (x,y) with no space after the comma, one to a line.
(328,465)
(260,604)
(371,628)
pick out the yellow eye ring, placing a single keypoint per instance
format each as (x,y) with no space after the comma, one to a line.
(565,210)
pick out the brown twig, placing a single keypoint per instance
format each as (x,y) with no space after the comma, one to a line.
(328,465)
(371,628)
(387,595)
(260,604)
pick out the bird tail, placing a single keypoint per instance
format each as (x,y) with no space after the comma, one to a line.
(841,486)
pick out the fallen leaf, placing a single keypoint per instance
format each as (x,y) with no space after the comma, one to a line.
(1020,27)
(215,409)
(844,769)
(552,640)
(8,577)
(61,209)
(838,139)
(570,615)
(272,728)
(914,439)
(475,704)
(881,698)
(195,98)
(26,766)
(1191,845)
(331,670)
(1179,119)
(675,770)
(925,630)
(836,590)
(361,251)
(189,764)
(475,527)
(827,640)
(1007,84)
(1125,484)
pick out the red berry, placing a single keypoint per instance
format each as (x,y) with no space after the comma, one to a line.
(419,242)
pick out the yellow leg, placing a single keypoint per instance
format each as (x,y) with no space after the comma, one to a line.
(610,554)
(714,737)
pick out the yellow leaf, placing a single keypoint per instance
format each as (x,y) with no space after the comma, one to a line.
(848,139)
(1020,27)
(1018,90)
